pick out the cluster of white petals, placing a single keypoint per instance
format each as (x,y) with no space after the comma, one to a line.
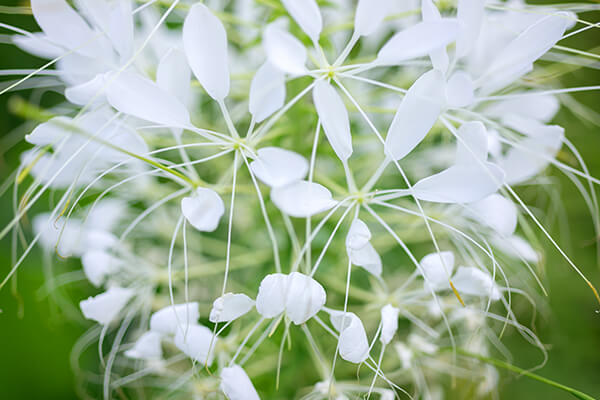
(222,167)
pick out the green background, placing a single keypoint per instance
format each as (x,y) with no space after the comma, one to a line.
(36,339)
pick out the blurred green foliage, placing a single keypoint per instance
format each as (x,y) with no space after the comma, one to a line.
(36,339)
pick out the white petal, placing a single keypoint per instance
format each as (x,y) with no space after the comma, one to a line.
(147,347)
(543,109)
(306,13)
(497,212)
(437,268)
(230,306)
(204,210)
(369,15)
(517,247)
(195,341)
(284,51)
(105,307)
(50,132)
(267,92)
(470,16)
(302,199)
(135,95)
(475,282)
(64,26)
(353,342)
(168,319)
(367,258)
(279,167)
(98,265)
(173,75)
(460,90)
(304,297)
(236,385)
(115,19)
(415,116)
(531,44)
(38,44)
(358,235)
(270,301)
(205,44)
(472,144)
(417,40)
(439,57)
(460,184)
(389,323)
(90,92)
(533,154)
(334,118)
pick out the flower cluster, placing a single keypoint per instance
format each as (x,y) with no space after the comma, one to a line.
(330,183)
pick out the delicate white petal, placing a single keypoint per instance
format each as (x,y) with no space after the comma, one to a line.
(531,44)
(205,44)
(543,109)
(367,258)
(533,154)
(105,307)
(230,306)
(470,17)
(460,90)
(475,282)
(334,118)
(195,341)
(306,13)
(472,144)
(38,44)
(90,92)
(168,319)
(135,95)
(389,323)
(279,167)
(204,210)
(369,15)
(113,18)
(284,51)
(147,347)
(64,26)
(270,301)
(173,75)
(236,385)
(353,342)
(417,40)
(98,265)
(267,92)
(358,235)
(497,212)
(302,199)
(50,132)
(437,268)
(304,297)
(518,248)
(460,184)
(415,116)
(439,57)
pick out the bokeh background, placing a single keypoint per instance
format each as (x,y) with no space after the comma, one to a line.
(36,338)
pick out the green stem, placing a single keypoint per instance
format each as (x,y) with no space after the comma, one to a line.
(520,371)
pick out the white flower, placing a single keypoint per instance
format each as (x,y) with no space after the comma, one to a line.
(204,210)
(230,306)
(296,294)
(168,319)
(105,307)
(147,347)
(236,385)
